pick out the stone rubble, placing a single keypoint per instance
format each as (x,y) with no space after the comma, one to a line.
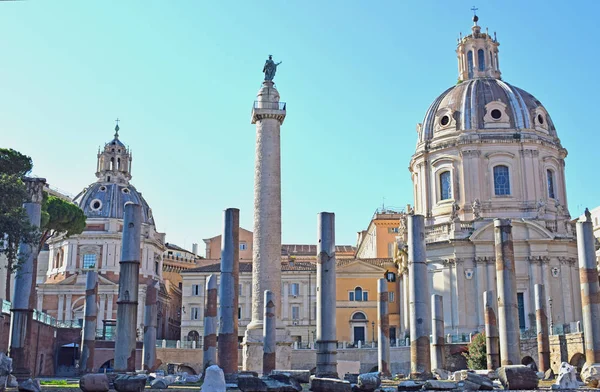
(437,385)
(94,383)
(214,380)
(518,377)
(30,385)
(567,377)
(127,383)
(590,374)
(302,376)
(329,385)
(441,374)
(549,375)
(410,385)
(473,381)
(368,382)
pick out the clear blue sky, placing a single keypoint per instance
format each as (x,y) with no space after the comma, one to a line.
(357,76)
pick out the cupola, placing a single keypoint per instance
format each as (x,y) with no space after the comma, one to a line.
(477,54)
(114,162)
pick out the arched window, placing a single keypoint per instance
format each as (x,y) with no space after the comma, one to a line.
(491,59)
(550,176)
(481,59)
(359,316)
(118,163)
(112,164)
(501,180)
(445,186)
(470,63)
(193,336)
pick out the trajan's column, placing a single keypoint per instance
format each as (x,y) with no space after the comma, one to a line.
(268,115)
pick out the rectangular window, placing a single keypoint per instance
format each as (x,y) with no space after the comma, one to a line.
(391,249)
(240,289)
(314,312)
(445,186)
(550,176)
(521,306)
(392,230)
(295,312)
(239,313)
(501,180)
(365,296)
(243,246)
(195,313)
(89,261)
(156,267)
(295,289)
(391,296)
(196,289)
(351,296)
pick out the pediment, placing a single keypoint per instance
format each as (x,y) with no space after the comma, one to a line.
(358,266)
(522,230)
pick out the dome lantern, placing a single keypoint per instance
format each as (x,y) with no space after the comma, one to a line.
(478,54)
(114,161)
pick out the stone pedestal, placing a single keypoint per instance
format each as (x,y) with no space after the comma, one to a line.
(24,291)
(253,348)
(127,302)
(508,311)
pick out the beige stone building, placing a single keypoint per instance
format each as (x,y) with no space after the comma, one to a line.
(61,288)
(487,149)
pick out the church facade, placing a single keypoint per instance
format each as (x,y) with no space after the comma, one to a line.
(487,149)
(61,292)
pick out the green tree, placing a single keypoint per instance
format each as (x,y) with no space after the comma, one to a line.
(476,353)
(14,223)
(60,217)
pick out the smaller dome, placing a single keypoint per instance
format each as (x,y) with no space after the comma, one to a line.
(107,200)
(466,104)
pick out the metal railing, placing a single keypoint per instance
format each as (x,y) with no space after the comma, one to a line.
(269,105)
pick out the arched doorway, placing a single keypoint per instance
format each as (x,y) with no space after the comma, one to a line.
(193,336)
(578,360)
(358,327)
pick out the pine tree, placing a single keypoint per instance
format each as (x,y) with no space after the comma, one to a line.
(476,353)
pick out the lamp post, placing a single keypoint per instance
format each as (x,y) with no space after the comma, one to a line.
(373,325)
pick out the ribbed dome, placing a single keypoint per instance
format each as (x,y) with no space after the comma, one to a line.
(107,200)
(466,106)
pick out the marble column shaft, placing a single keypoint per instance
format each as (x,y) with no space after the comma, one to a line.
(491,330)
(127,301)
(420,313)
(326,294)
(88,345)
(150,326)
(269,333)
(590,289)
(210,323)
(508,311)
(383,331)
(541,319)
(228,292)
(437,332)
(24,286)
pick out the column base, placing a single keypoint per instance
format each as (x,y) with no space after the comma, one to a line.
(252,356)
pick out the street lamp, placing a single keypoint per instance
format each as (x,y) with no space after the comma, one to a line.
(373,325)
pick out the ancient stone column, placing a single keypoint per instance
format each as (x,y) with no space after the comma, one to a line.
(491,330)
(210,323)
(88,345)
(437,332)
(326,292)
(150,325)
(590,289)
(268,114)
(127,302)
(228,292)
(542,328)
(383,333)
(24,288)
(508,311)
(420,314)
(269,334)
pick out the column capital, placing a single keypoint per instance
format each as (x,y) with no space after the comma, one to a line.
(35,189)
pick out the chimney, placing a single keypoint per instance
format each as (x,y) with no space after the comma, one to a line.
(195,249)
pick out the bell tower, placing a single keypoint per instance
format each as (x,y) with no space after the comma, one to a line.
(477,54)
(114,162)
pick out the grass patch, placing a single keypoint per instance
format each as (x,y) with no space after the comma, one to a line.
(54,382)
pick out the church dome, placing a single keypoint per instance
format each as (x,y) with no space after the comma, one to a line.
(485,103)
(107,200)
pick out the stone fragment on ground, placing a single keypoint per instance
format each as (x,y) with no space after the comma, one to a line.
(272,383)
(410,385)
(441,374)
(590,374)
(549,375)
(329,385)
(214,380)
(302,376)
(352,378)
(30,385)
(567,377)
(368,382)
(5,365)
(518,377)
(94,382)
(127,383)
(474,381)
(159,383)
(12,382)
(439,385)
